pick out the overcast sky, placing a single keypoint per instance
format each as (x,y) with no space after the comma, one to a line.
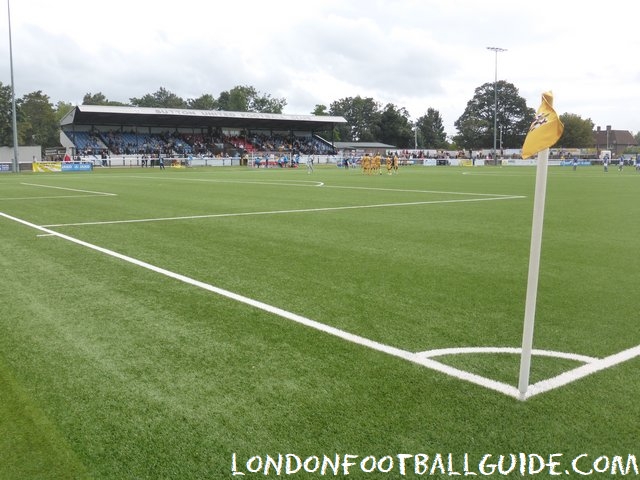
(416,54)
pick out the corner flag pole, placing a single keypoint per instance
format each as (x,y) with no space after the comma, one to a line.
(534,267)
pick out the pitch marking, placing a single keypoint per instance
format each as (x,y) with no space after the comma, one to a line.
(593,366)
(312,183)
(286,183)
(71,189)
(88,193)
(512,350)
(277,212)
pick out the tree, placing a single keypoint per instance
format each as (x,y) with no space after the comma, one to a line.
(39,124)
(203,102)
(431,130)
(513,117)
(6,116)
(472,133)
(99,99)
(163,98)
(578,133)
(243,98)
(395,127)
(320,110)
(265,104)
(62,108)
(363,118)
(334,134)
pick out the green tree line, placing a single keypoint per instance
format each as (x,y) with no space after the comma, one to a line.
(367,120)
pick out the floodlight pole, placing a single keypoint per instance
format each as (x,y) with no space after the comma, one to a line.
(16,164)
(496,50)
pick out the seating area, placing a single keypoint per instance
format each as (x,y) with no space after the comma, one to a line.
(306,145)
(119,142)
(87,143)
(128,143)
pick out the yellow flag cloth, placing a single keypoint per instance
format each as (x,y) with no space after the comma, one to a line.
(545,130)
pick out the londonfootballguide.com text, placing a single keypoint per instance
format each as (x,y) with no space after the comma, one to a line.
(422,464)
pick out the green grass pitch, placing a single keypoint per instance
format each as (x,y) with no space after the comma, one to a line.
(112,366)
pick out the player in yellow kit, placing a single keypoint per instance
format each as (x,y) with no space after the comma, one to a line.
(366,164)
(394,165)
(376,164)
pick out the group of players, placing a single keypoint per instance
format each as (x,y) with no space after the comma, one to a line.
(371,165)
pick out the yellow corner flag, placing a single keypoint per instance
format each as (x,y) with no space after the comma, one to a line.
(545,130)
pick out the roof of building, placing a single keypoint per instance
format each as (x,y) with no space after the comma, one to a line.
(175,118)
(614,137)
(361,145)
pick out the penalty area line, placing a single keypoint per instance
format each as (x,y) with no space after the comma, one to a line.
(350,337)
(280,212)
(71,189)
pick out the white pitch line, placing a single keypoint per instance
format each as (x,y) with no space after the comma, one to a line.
(311,183)
(70,189)
(582,371)
(498,174)
(406,190)
(511,350)
(277,212)
(591,364)
(52,197)
(418,358)
(284,182)
(350,337)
